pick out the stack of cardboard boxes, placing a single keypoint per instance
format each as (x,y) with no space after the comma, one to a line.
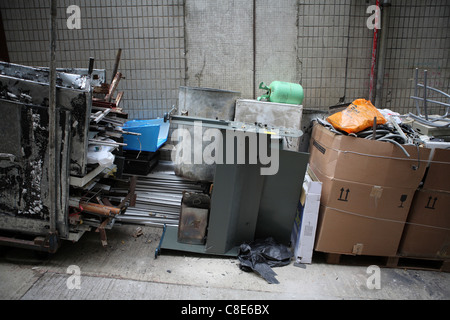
(370,202)
(427,232)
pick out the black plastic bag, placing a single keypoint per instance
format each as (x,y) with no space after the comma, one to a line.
(261,256)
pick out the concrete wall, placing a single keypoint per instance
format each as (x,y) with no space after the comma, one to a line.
(276,42)
(221,51)
(219,45)
(324,45)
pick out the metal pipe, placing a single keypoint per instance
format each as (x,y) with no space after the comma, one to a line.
(91,66)
(38,244)
(398,145)
(107,143)
(374,128)
(99,209)
(426,88)
(416,80)
(427,122)
(116,64)
(382,53)
(374,58)
(436,90)
(52,119)
(425,107)
(432,101)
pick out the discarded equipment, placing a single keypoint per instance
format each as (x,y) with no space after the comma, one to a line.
(431,125)
(152,134)
(245,204)
(206,103)
(85,122)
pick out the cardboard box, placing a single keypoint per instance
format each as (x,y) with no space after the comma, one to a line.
(369,200)
(366,161)
(427,232)
(305,223)
(367,190)
(357,218)
(438,175)
(355,234)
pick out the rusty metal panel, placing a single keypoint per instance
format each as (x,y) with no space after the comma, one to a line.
(75,78)
(24,196)
(193,218)
(78,102)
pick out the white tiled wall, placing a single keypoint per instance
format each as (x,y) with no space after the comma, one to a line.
(323,44)
(322,50)
(419,37)
(335,49)
(150,33)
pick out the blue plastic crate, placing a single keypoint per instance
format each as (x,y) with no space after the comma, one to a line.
(153,132)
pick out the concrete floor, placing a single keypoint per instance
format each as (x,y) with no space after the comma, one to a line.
(127,270)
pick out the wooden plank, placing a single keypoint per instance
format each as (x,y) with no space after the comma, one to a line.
(446,266)
(410,263)
(392,262)
(333,258)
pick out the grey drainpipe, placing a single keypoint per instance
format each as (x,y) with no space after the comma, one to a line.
(382,52)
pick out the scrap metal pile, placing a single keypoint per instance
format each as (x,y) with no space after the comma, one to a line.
(89,140)
(158,197)
(396,133)
(362,120)
(436,121)
(97,198)
(359,119)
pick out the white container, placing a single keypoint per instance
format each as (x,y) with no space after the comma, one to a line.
(305,223)
(272,114)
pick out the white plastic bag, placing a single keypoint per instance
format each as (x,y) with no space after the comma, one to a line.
(101,155)
(391,114)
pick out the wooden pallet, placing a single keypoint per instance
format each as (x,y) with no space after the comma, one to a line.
(411,263)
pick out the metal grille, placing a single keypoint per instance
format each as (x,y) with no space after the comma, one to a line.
(150,34)
(418,38)
(333,50)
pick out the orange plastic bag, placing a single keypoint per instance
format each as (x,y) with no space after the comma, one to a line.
(357,117)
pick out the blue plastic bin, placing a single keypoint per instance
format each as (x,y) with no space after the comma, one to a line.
(153,132)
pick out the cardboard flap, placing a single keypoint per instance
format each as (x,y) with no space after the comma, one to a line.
(366,161)
(438,175)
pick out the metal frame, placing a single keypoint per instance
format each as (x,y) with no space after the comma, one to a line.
(235,125)
(437,121)
(246,205)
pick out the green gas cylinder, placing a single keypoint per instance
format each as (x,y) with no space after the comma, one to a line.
(282,92)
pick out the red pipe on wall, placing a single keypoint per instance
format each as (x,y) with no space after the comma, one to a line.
(374,58)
